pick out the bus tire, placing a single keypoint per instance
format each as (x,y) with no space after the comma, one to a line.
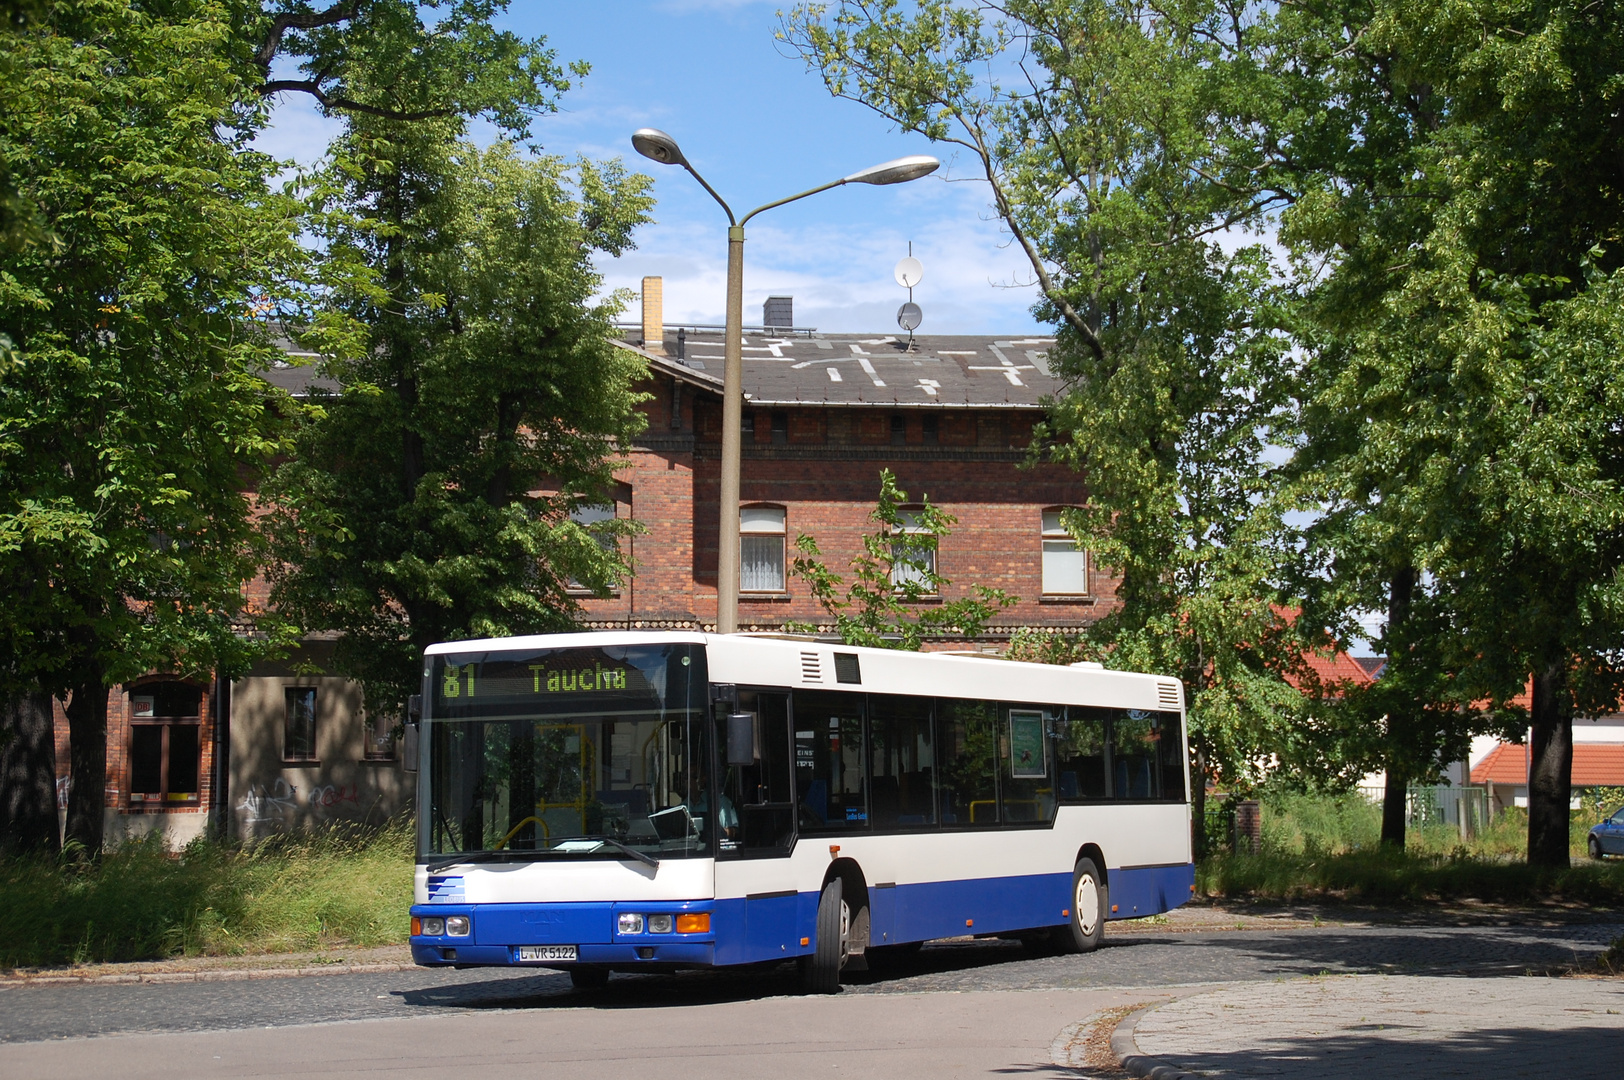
(589,978)
(1089,904)
(820,972)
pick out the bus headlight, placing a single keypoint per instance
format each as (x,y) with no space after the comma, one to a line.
(631,923)
(458,925)
(659,924)
(433,926)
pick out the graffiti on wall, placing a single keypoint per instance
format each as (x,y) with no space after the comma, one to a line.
(274,802)
(280,801)
(329,796)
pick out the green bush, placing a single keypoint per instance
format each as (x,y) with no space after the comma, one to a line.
(141,901)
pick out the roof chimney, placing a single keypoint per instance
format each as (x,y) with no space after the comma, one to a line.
(778,311)
(653,315)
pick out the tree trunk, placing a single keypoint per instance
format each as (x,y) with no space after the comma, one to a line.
(1395,808)
(1395,800)
(87,757)
(28,820)
(1198,803)
(1550,772)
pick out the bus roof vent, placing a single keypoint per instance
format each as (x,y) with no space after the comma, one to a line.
(1167,695)
(811,667)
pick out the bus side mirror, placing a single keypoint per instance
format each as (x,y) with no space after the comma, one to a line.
(408,748)
(743,744)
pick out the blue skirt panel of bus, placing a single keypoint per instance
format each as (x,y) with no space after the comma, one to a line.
(772,927)
(1149,890)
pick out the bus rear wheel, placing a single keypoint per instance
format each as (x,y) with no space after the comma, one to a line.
(820,972)
(1089,903)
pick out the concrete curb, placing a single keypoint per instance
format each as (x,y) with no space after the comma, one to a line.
(1145,1065)
(230,975)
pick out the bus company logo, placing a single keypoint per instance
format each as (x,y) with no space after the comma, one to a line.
(576,680)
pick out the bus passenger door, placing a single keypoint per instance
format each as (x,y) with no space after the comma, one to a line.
(752,864)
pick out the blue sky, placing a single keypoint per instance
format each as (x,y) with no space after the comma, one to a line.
(759,126)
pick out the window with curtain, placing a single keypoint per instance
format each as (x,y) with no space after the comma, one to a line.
(1065,564)
(912,551)
(761,549)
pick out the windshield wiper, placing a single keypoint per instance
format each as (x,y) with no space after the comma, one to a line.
(640,856)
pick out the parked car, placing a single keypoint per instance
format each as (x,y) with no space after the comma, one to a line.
(1608,837)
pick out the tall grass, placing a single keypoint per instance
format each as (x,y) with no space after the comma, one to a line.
(345,887)
(1329,846)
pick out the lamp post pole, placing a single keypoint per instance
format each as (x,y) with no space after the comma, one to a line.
(658,146)
(727,536)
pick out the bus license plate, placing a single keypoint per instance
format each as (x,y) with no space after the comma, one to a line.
(547,952)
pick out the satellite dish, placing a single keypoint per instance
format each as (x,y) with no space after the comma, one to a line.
(909,271)
(909,316)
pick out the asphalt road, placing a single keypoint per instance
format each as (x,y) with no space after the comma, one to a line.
(1130,966)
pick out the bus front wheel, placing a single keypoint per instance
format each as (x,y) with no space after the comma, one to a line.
(589,978)
(1088,907)
(820,972)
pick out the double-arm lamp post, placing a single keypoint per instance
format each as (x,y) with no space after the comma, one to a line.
(658,146)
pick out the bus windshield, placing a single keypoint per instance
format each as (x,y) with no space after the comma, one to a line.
(567,753)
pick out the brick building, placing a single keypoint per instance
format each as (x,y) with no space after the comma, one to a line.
(951,417)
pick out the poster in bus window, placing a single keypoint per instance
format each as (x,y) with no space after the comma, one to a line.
(1028,751)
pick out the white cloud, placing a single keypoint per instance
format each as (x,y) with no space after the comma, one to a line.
(841,275)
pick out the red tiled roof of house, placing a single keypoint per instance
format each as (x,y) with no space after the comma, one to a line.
(1594,765)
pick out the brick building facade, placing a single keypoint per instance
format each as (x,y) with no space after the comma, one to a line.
(950,417)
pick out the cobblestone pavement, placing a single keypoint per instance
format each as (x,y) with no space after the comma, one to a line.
(1343,1028)
(1143,959)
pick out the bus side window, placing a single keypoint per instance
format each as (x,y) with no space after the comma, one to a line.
(830,770)
(1083,753)
(1171,746)
(1135,759)
(903,759)
(966,732)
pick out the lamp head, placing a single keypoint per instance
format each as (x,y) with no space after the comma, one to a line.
(899,171)
(656,145)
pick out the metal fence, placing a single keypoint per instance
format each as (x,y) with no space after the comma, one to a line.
(1465,808)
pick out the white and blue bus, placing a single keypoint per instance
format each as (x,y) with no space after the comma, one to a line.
(657,801)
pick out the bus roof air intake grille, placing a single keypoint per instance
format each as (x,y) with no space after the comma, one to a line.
(1167,695)
(846,669)
(811,667)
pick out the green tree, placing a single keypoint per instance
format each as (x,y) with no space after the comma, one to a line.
(1458,218)
(431,497)
(894,579)
(1108,133)
(132,410)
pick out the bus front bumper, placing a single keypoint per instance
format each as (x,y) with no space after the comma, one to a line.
(501,935)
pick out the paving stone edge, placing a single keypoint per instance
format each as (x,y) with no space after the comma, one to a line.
(230,975)
(1144,1065)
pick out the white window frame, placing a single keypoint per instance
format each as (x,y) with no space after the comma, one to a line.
(1056,543)
(910,526)
(758,527)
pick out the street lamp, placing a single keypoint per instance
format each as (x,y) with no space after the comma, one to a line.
(658,146)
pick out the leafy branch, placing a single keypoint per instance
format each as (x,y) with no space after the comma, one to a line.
(893,600)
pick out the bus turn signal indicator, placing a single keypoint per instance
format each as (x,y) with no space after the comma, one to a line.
(694,924)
